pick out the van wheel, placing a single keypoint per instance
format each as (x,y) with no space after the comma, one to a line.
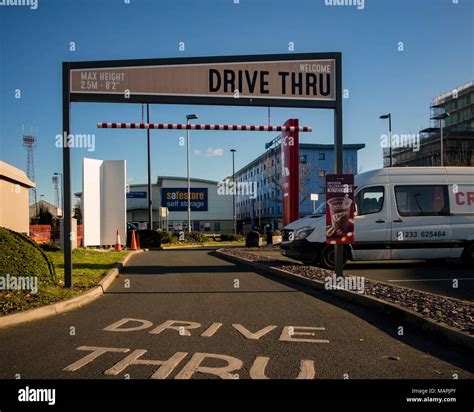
(468,255)
(327,257)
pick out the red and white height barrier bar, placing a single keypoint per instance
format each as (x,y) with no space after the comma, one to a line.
(250,128)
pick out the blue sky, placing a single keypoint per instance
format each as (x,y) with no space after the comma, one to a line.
(438,55)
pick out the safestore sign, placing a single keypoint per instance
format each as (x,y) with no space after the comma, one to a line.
(301,79)
(176,199)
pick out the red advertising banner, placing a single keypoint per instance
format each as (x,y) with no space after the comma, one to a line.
(340,209)
(290,161)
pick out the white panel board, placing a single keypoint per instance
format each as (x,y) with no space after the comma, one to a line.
(91,199)
(113,197)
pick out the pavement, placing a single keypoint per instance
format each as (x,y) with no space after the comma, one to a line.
(210,318)
(434,277)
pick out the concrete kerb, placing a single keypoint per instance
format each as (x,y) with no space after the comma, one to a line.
(438,330)
(69,304)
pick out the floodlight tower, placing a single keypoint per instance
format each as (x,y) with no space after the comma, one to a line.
(29,142)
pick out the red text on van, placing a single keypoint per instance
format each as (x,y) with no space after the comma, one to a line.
(463,198)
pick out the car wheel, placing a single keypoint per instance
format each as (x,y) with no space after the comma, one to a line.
(327,257)
(468,255)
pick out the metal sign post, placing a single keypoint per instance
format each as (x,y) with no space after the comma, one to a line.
(311,80)
(67,212)
(150,198)
(338,159)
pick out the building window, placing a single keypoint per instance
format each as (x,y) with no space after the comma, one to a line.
(303,159)
(217,226)
(322,156)
(322,190)
(322,173)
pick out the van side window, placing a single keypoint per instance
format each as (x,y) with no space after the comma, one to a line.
(426,200)
(370,200)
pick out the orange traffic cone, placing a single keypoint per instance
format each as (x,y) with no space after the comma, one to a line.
(138,241)
(118,245)
(133,242)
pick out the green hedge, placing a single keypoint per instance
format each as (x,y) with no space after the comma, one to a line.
(197,237)
(21,256)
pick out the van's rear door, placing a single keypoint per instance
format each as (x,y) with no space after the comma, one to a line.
(420,219)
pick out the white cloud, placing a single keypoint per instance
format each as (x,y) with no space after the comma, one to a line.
(211,152)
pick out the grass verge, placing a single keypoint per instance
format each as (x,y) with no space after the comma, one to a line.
(89,267)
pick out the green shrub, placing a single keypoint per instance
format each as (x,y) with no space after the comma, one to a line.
(50,247)
(151,238)
(21,256)
(232,238)
(165,237)
(195,237)
(173,239)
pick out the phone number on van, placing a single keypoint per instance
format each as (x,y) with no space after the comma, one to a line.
(439,233)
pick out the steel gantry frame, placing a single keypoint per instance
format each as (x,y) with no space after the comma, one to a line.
(69,96)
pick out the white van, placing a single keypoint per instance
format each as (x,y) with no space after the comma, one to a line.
(401,213)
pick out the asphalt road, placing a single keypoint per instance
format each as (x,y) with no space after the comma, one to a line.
(448,278)
(194,286)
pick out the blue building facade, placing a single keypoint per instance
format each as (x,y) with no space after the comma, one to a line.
(262,209)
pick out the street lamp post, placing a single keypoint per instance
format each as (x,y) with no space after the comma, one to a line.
(188,118)
(233,192)
(61,197)
(150,198)
(389,117)
(441,118)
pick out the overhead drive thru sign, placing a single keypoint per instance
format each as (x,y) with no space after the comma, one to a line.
(312,80)
(300,79)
